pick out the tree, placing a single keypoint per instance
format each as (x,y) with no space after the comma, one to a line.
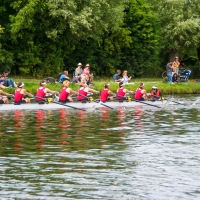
(44,32)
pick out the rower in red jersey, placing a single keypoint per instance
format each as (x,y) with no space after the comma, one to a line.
(140,93)
(42,91)
(4,97)
(19,94)
(84,90)
(65,92)
(121,92)
(106,93)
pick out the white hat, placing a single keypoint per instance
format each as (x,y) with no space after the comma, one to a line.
(87,65)
(154,87)
(79,64)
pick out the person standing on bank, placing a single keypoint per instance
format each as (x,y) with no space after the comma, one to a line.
(169,69)
(175,65)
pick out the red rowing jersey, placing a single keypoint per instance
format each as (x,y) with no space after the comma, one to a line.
(81,94)
(18,96)
(138,94)
(63,94)
(104,95)
(40,93)
(120,93)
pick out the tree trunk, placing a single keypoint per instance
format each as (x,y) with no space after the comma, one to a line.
(198,55)
(172,54)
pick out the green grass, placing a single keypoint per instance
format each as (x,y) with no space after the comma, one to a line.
(190,87)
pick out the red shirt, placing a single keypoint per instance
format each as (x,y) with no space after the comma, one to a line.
(138,94)
(18,96)
(40,93)
(120,93)
(104,95)
(63,94)
(81,94)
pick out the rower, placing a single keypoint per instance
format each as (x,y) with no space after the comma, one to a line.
(155,94)
(106,93)
(4,99)
(42,91)
(121,92)
(83,92)
(19,94)
(65,92)
(140,93)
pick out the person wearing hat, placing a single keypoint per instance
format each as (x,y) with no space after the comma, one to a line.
(140,93)
(7,81)
(121,92)
(106,93)
(65,92)
(20,92)
(42,91)
(4,97)
(77,73)
(87,75)
(175,65)
(155,94)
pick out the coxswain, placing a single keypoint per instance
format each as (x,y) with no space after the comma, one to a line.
(106,93)
(42,91)
(140,93)
(84,90)
(65,92)
(121,92)
(156,94)
(20,92)
(4,97)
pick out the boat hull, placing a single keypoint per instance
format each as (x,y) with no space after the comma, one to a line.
(80,105)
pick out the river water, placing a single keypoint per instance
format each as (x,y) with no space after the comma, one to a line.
(139,153)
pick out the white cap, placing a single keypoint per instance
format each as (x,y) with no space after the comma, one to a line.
(79,64)
(154,87)
(87,65)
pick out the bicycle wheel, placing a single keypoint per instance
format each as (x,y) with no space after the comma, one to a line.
(164,74)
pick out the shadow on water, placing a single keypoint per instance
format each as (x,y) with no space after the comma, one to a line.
(122,154)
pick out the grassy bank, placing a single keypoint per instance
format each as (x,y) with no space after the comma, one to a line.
(190,87)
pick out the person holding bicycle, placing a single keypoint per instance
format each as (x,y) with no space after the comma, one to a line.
(169,69)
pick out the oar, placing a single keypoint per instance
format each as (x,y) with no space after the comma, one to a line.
(62,104)
(142,102)
(68,105)
(171,101)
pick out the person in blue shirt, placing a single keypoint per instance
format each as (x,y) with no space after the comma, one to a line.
(116,77)
(64,77)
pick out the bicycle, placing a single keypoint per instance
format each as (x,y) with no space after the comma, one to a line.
(164,74)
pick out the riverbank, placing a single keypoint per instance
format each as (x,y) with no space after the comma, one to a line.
(190,87)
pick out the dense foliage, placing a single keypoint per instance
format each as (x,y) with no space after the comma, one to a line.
(42,37)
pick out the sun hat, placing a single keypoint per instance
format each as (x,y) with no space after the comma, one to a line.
(79,64)
(20,85)
(87,65)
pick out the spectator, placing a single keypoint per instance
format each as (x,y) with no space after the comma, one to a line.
(175,78)
(7,81)
(116,77)
(176,65)
(86,75)
(77,73)
(64,77)
(125,78)
(169,69)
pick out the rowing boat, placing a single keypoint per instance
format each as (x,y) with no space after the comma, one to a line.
(80,105)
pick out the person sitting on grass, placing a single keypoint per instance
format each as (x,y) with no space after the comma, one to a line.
(175,78)
(20,92)
(64,77)
(7,82)
(116,77)
(42,91)
(4,97)
(65,92)
(106,93)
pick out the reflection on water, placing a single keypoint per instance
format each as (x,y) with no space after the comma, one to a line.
(121,154)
